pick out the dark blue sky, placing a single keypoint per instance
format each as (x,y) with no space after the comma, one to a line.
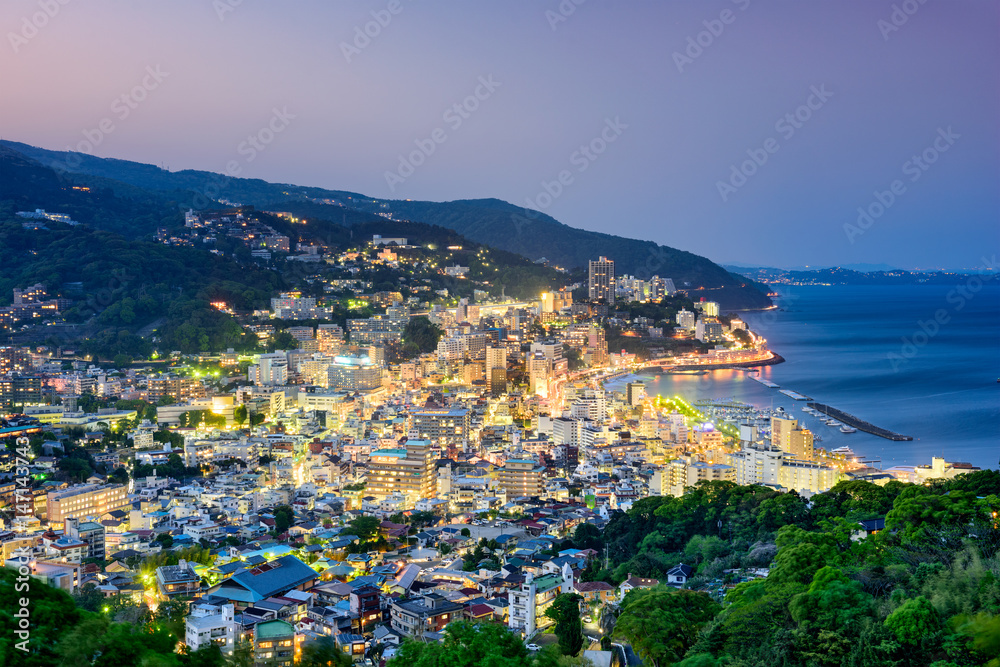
(829,102)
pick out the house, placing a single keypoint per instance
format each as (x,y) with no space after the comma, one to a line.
(595,591)
(427,613)
(678,575)
(351,644)
(633,582)
(365,601)
(868,527)
(177,580)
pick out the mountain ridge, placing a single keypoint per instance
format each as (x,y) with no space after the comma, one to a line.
(491,221)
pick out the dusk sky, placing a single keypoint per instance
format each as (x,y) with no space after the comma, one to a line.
(884,86)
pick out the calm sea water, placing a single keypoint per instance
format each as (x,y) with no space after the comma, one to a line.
(863,350)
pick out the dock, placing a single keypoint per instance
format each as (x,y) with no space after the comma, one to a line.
(766,383)
(794,395)
(859,424)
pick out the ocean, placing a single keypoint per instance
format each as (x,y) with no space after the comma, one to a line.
(920,360)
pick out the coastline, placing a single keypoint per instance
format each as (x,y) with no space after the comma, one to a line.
(772,361)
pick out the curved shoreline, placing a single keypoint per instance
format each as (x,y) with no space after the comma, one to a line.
(775,359)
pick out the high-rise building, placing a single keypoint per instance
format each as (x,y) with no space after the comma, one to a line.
(19,390)
(787,436)
(496,370)
(521,477)
(177,387)
(270,369)
(685,319)
(354,373)
(635,393)
(444,427)
(407,469)
(602,280)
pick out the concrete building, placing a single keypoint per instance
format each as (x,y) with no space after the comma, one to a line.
(177,580)
(273,644)
(85,501)
(430,612)
(354,373)
(407,469)
(529,602)
(521,477)
(90,533)
(211,624)
(787,436)
(443,427)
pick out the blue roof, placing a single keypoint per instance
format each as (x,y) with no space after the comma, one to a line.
(274,578)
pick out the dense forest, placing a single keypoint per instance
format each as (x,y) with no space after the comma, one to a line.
(923,591)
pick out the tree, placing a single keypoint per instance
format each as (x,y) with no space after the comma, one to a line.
(465,532)
(365,527)
(465,644)
(165,540)
(240,414)
(914,621)
(421,335)
(323,652)
(662,623)
(565,611)
(284,517)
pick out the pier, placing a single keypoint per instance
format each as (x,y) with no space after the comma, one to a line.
(859,424)
(766,383)
(794,395)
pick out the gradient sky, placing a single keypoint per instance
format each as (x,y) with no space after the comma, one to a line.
(560,82)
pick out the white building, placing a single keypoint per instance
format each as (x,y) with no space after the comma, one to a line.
(211,624)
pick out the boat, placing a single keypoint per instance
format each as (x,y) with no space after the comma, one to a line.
(848,429)
(833,422)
